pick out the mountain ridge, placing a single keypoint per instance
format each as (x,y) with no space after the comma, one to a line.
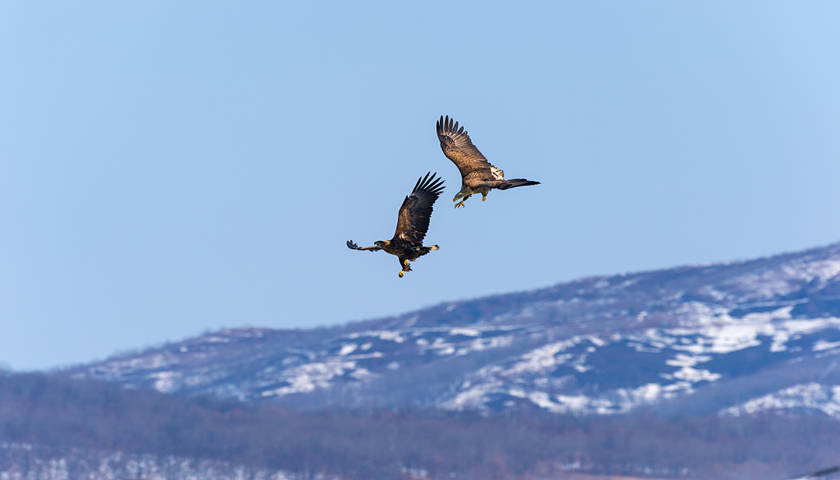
(351,323)
(597,345)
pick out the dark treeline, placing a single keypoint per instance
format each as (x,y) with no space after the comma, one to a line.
(56,412)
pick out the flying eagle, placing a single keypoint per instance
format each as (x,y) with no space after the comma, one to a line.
(412,224)
(477,174)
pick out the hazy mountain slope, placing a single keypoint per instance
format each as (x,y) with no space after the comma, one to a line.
(709,338)
(57,428)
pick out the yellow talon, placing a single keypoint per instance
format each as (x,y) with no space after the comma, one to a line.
(401,273)
(484,198)
(459,204)
(405,262)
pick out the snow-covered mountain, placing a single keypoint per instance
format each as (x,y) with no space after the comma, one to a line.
(729,338)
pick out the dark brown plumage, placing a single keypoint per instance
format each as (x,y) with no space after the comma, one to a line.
(477,174)
(412,224)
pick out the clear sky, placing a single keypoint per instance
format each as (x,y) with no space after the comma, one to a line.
(172,167)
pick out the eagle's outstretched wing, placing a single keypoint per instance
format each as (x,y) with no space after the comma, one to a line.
(416,209)
(352,245)
(457,146)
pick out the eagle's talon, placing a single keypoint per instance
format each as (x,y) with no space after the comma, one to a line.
(401,274)
(459,204)
(405,262)
(484,198)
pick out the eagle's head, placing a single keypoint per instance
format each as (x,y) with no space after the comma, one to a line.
(381,243)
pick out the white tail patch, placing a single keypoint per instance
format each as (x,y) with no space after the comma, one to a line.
(498,173)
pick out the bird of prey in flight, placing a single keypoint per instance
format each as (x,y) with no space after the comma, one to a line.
(412,224)
(477,174)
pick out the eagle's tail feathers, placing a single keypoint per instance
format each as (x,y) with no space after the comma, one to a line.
(426,249)
(516,182)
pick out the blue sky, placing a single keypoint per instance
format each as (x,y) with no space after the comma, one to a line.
(168,168)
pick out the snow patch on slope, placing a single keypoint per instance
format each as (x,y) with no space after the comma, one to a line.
(545,357)
(715,331)
(811,396)
(310,376)
(821,345)
(787,278)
